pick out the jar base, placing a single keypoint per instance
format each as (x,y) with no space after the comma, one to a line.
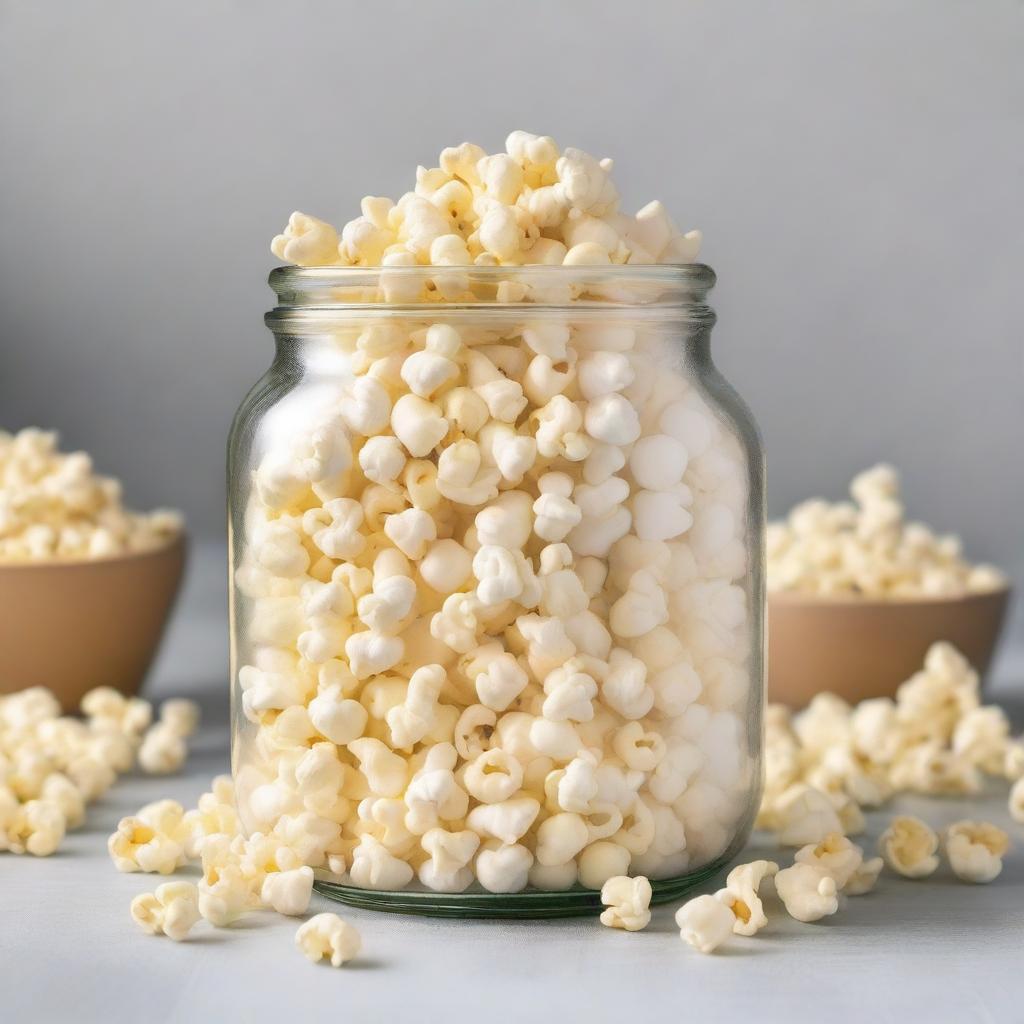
(576,902)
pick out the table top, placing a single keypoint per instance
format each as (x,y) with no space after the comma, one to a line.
(935,949)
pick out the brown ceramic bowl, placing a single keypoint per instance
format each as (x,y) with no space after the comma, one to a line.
(74,625)
(859,648)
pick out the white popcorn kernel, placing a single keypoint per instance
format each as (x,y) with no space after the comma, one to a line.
(172,910)
(507,821)
(975,850)
(642,608)
(375,867)
(805,815)
(410,721)
(628,901)
(570,692)
(306,242)
(604,373)
(288,892)
(418,424)
(612,419)
(501,682)
(162,751)
(603,860)
(596,501)
(411,531)
(658,462)
(553,879)
(705,923)
(384,770)
(493,776)
(36,827)
(462,477)
(555,513)
(560,837)
(445,566)
(1016,806)
(835,854)
(503,868)
(659,515)
(371,653)
(558,430)
(382,459)
(624,686)
(545,378)
(450,854)
(327,935)
(808,892)
(181,716)
(908,846)
(638,749)
(740,895)
(335,527)
(863,880)
(366,406)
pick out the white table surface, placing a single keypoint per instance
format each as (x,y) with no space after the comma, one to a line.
(934,950)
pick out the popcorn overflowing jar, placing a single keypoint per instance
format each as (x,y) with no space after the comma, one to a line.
(497,603)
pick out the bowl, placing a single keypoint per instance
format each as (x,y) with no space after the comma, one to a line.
(72,625)
(859,648)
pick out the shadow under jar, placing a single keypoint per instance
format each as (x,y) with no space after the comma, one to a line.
(497,597)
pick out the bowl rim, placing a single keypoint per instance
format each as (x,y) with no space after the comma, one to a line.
(179,540)
(848,601)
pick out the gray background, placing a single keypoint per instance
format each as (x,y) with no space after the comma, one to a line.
(856,168)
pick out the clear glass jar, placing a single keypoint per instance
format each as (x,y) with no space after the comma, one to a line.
(493,645)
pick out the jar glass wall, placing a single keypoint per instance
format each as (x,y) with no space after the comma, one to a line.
(497,597)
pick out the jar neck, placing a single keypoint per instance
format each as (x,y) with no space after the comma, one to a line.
(309,296)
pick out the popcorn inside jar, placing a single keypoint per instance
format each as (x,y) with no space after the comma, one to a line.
(496,538)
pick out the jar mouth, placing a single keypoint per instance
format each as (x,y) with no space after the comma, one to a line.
(661,287)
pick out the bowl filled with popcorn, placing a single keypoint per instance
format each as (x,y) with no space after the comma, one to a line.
(857,595)
(86,586)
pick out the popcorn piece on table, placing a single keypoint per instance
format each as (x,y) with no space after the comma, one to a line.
(908,846)
(975,850)
(172,910)
(705,923)
(628,902)
(327,935)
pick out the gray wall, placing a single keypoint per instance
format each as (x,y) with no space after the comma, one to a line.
(856,168)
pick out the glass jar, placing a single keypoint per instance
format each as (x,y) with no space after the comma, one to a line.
(497,596)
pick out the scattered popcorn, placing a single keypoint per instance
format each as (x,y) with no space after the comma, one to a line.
(53,506)
(908,846)
(934,738)
(163,750)
(52,766)
(172,910)
(705,923)
(740,895)
(808,892)
(867,548)
(975,850)
(628,901)
(327,935)
(1017,800)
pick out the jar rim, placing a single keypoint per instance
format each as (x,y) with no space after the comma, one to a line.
(662,286)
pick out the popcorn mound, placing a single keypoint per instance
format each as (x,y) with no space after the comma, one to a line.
(52,505)
(533,204)
(867,548)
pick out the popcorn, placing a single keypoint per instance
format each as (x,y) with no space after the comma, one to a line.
(327,935)
(36,827)
(172,910)
(805,815)
(975,850)
(868,549)
(288,892)
(863,880)
(705,923)
(163,749)
(836,855)
(808,892)
(628,901)
(740,895)
(53,506)
(1017,800)
(908,846)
